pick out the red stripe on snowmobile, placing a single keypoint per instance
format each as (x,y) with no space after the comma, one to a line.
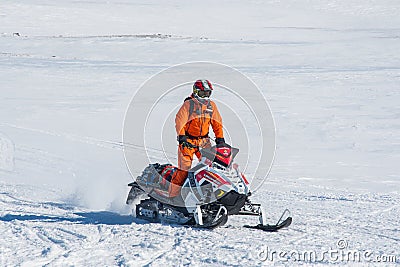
(211,177)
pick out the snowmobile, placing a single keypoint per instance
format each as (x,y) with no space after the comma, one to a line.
(213,190)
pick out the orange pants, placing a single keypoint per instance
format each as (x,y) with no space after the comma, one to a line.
(185,158)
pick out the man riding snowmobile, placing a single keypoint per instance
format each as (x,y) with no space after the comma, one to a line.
(192,123)
(205,195)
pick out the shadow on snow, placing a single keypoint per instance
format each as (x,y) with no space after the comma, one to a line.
(94,217)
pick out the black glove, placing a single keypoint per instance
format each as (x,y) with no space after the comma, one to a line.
(182,139)
(220,142)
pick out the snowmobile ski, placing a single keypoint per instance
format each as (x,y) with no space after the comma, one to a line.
(273,227)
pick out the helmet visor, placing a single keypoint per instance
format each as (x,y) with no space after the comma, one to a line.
(204,94)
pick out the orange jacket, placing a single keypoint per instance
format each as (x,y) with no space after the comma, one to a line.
(198,122)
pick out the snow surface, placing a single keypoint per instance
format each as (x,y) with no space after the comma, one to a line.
(330,71)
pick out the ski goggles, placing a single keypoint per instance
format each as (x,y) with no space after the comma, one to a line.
(204,94)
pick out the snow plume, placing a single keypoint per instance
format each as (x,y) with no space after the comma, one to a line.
(100,193)
(85,171)
(101,182)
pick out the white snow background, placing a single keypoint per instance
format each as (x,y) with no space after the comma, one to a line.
(330,71)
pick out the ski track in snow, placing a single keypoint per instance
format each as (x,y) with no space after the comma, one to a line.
(329,69)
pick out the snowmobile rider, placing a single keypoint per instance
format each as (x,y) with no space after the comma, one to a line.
(192,123)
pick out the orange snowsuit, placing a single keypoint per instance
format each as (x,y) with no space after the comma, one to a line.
(193,120)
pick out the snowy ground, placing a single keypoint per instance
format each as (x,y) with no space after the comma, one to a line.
(329,69)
